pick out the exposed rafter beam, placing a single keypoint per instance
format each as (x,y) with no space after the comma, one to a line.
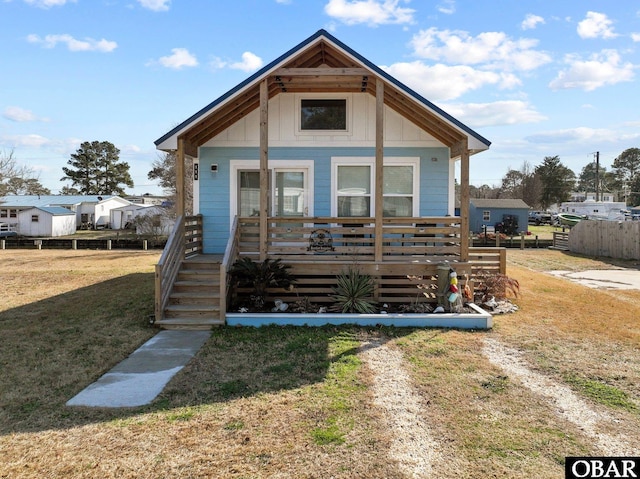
(321,71)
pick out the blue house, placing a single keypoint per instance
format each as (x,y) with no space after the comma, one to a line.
(322,143)
(513,214)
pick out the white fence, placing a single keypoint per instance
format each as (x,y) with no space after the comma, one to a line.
(610,239)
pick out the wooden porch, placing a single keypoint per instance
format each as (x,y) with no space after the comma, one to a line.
(403,259)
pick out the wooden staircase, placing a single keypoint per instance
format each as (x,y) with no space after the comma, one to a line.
(194,302)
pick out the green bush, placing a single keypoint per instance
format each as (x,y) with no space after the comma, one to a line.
(261,276)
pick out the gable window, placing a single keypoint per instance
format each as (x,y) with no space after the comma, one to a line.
(323,114)
(35,218)
(486,215)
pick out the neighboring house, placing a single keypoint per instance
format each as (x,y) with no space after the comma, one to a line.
(92,211)
(511,213)
(591,196)
(160,221)
(322,157)
(120,218)
(147,200)
(48,221)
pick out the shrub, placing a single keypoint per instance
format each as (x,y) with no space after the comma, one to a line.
(494,285)
(261,276)
(353,293)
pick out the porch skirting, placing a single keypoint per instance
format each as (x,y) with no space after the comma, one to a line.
(478,320)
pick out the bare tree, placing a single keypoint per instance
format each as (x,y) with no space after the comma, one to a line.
(18,179)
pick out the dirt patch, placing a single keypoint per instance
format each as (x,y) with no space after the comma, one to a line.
(561,398)
(413,445)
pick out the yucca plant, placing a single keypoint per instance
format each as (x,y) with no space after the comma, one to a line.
(261,276)
(353,293)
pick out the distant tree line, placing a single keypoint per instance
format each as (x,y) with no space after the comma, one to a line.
(552,182)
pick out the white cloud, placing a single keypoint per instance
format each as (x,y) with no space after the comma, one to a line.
(448,7)
(635,37)
(48,3)
(510,112)
(531,21)
(441,82)
(28,141)
(596,25)
(372,12)
(604,68)
(495,50)
(179,58)
(74,45)
(284,2)
(574,135)
(15,113)
(250,62)
(155,5)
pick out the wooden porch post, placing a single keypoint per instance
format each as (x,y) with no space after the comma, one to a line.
(464,200)
(264,168)
(180,154)
(379,169)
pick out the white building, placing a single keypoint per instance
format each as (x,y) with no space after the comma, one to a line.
(603,210)
(49,221)
(91,211)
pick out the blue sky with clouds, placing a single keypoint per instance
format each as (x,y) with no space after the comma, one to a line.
(537,79)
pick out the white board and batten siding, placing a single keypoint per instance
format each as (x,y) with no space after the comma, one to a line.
(284,121)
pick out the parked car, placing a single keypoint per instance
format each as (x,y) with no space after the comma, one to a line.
(7,230)
(540,218)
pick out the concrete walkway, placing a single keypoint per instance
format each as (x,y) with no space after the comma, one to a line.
(604,278)
(141,377)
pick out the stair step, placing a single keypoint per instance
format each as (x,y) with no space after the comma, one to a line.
(213,295)
(194,302)
(191,297)
(189,324)
(196,309)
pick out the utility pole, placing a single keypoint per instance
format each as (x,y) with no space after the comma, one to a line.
(597,176)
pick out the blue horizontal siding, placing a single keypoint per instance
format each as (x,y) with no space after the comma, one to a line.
(215,201)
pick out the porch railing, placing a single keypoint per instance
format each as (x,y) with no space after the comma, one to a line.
(318,249)
(185,240)
(333,238)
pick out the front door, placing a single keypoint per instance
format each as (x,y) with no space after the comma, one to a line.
(288,192)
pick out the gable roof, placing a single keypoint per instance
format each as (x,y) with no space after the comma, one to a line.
(507,203)
(53,210)
(291,73)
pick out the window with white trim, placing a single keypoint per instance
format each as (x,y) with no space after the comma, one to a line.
(398,190)
(486,215)
(353,182)
(354,190)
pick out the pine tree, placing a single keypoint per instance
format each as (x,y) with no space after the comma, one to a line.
(95,169)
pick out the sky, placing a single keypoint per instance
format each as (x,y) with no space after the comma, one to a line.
(537,78)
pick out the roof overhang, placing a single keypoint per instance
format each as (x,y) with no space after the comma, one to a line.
(320,64)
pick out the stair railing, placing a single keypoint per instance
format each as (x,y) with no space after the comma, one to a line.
(185,240)
(230,255)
